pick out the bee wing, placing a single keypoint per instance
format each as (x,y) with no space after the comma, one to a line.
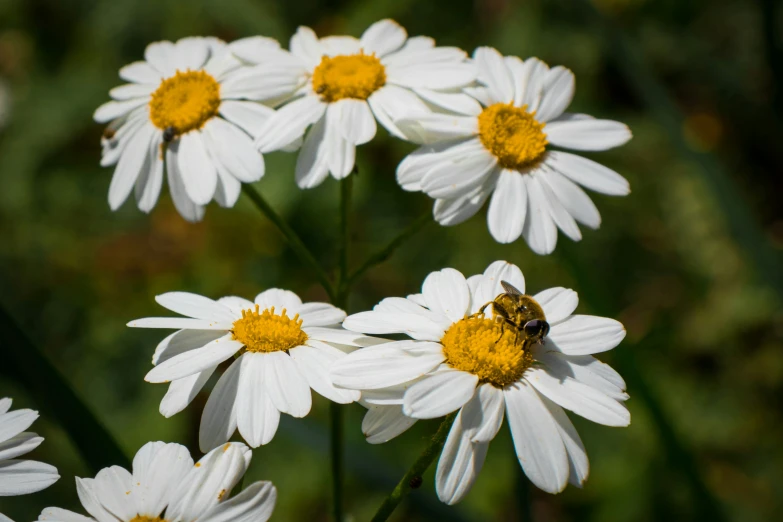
(509,288)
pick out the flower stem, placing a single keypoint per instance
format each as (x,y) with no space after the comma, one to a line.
(417,470)
(382,255)
(336,421)
(293,239)
(346,191)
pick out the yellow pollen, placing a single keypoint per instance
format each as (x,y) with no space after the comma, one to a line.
(186,101)
(267,332)
(140,518)
(476,345)
(348,76)
(513,135)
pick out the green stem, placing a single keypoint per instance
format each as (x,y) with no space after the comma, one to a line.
(292,237)
(23,362)
(382,255)
(417,470)
(346,190)
(336,442)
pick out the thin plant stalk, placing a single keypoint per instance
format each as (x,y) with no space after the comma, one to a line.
(414,474)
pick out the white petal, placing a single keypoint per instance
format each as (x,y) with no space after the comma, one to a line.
(21,477)
(312,164)
(257,417)
(453,211)
(580,398)
(209,481)
(150,180)
(254,504)
(439,394)
(191,53)
(432,75)
(197,170)
(336,335)
(559,214)
(558,92)
(335,45)
(528,77)
(114,488)
(482,415)
(162,56)
(131,90)
(279,299)
(446,292)
(587,134)
(182,392)
(585,369)
(52,514)
(306,46)
(114,109)
(459,176)
(386,365)
(19,445)
(558,303)
(5,404)
(539,448)
(134,158)
(158,469)
(314,365)
(185,206)
(573,199)
(289,123)
(437,127)
(219,419)
(234,150)
(194,361)
(539,230)
(459,464)
(179,323)
(196,306)
(342,153)
(286,386)
(320,314)
(140,72)
(494,73)
(490,285)
(415,325)
(15,422)
(356,121)
(586,334)
(85,488)
(588,173)
(579,466)
(508,207)
(249,116)
(420,162)
(390,103)
(454,102)
(383,37)
(255,49)
(267,82)
(383,423)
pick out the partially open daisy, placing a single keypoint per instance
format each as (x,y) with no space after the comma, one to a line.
(165,486)
(352,82)
(283,348)
(192,106)
(20,477)
(460,359)
(501,145)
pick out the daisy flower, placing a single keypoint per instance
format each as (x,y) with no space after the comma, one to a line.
(460,359)
(500,145)
(352,82)
(165,486)
(20,477)
(283,348)
(190,105)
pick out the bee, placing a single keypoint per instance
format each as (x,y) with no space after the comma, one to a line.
(520,312)
(169,134)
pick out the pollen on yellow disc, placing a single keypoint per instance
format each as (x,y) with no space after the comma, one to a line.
(186,101)
(513,135)
(140,518)
(486,349)
(348,76)
(266,332)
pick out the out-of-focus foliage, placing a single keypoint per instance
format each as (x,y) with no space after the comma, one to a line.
(705,331)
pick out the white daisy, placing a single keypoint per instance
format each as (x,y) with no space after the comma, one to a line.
(190,105)
(500,144)
(20,477)
(460,360)
(165,486)
(284,348)
(352,82)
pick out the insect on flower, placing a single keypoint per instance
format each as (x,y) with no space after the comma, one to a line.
(521,312)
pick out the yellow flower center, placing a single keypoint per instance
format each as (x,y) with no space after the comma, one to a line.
(513,135)
(348,76)
(186,101)
(485,348)
(267,332)
(140,518)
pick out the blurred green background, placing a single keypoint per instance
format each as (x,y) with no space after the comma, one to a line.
(690,261)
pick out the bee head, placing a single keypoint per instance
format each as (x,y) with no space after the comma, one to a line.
(536,329)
